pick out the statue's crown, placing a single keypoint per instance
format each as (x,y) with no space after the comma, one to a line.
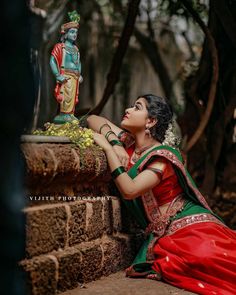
(74,21)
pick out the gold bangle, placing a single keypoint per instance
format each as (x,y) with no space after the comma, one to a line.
(103,125)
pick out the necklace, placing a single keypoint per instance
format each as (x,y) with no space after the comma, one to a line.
(138,152)
(74,53)
(71,49)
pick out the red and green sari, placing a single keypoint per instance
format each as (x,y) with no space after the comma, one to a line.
(188,246)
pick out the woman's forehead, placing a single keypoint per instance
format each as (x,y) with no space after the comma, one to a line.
(141,100)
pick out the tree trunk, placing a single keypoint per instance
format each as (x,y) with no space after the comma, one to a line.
(215,143)
(113,75)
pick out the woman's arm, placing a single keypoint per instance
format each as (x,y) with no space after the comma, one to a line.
(129,188)
(96,122)
(103,126)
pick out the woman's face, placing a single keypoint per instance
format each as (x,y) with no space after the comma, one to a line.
(136,117)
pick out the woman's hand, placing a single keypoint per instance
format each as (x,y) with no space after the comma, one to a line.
(120,152)
(122,155)
(101,141)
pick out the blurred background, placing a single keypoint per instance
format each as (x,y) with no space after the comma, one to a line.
(183,50)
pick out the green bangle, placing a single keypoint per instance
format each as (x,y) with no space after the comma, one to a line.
(115,142)
(109,133)
(103,125)
(118,171)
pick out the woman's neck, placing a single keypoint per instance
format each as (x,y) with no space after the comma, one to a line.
(143,140)
(143,143)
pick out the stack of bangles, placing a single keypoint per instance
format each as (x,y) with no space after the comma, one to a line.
(118,171)
(114,141)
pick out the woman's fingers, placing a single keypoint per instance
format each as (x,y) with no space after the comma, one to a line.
(124,161)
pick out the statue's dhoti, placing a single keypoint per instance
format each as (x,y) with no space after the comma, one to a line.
(69,92)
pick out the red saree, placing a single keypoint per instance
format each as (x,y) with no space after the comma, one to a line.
(200,258)
(190,247)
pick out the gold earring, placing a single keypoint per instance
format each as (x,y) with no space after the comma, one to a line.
(147,132)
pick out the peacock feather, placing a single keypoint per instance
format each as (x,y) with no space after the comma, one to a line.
(74,16)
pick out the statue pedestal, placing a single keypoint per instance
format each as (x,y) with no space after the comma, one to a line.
(64,118)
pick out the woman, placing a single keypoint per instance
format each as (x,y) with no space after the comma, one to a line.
(186,244)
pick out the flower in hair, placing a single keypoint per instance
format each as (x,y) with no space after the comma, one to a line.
(171,138)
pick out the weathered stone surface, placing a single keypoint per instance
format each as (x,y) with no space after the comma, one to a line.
(63,169)
(127,250)
(116,209)
(107,217)
(112,256)
(45,229)
(77,223)
(42,275)
(91,264)
(94,219)
(80,233)
(69,268)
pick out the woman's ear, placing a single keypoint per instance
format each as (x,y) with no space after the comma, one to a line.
(152,122)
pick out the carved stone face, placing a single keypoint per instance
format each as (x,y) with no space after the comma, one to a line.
(72,34)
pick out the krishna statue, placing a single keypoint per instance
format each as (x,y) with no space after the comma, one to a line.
(66,67)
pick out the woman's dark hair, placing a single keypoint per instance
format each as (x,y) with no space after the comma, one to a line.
(160,109)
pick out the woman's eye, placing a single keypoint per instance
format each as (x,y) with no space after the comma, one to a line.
(136,107)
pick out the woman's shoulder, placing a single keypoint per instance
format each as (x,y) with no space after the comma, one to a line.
(164,155)
(167,152)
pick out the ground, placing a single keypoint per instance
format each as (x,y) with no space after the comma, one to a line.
(118,284)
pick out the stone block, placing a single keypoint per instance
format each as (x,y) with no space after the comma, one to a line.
(45,229)
(126,249)
(69,268)
(112,256)
(94,218)
(116,209)
(91,264)
(42,275)
(77,223)
(50,164)
(107,217)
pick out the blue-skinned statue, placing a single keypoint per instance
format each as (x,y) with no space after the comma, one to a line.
(66,67)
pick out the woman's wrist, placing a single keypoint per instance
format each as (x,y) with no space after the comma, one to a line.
(106,127)
(117,172)
(116,142)
(108,148)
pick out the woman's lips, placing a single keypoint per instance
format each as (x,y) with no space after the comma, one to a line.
(125,117)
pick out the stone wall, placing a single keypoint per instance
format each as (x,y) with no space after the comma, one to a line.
(76,231)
